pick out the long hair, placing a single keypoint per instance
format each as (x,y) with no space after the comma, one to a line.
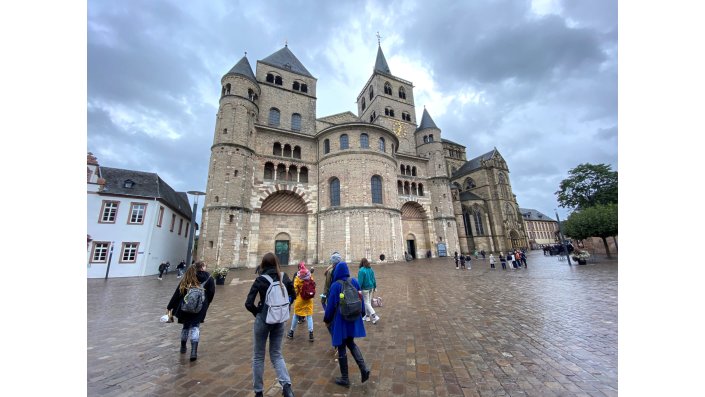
(364,263)
(190,279)
(269,261)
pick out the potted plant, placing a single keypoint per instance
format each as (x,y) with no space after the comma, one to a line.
(219,274)
(581,257)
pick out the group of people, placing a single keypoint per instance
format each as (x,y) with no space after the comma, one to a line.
(346,303)
(516,259)
(164,269)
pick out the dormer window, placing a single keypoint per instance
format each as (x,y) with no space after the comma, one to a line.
(128,184)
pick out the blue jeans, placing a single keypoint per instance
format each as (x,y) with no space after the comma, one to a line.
(309,321)
(275,334)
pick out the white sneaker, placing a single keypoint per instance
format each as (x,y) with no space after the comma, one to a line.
(375,319)
(366,318)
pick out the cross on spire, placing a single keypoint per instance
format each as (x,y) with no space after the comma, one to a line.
(286,43)
(378,39)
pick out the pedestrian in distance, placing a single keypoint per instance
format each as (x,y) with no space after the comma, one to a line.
(303,305)
(180,268)
(522,255)
(272,283)
(345,296)
(456,260)
(196,281)
(475,254)
(491,261)
(517,258)
(162,267)
(462,261)
(368,284)
(503,260)
(510,259)
(483,254)
(468,260)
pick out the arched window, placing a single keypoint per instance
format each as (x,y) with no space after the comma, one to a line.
(269,171)
(408,170)
(400,187)
(381,145)
(420,189)
(278,80)
(270,78)
(287,150)
(296,122)
(297,152)
(303,175)
(503,191)
(466,223)
(376,183)
(335,192)
(227,89)
(363,103)
(281,172)
(293,170)
(296,86)
(372,92)
(405,116)
(387,88)
(401,169)
(250,94)
(478,223)
(425,139)
(413,171)
(344,141)
(277,149)
(373,116)
(413,188)
(389,112)
(406,188)
(509,212)
(469,183)
(273,116)
(304,88)
(430,138)
(326,146)
(364,141)
(402,93)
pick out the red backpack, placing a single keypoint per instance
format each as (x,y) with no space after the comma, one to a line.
(308,289)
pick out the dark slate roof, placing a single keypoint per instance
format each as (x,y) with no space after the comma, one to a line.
(381,63)
(426,121)
(451,142)
(534,215)
(243,68)
(474,163)
(147,185)
(468,195)
(285,59)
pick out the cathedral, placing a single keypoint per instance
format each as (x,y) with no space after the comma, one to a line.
(379,184)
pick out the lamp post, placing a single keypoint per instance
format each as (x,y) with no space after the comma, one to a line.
(560,234)
(110,259)
(193,224)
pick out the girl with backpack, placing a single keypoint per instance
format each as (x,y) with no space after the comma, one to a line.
(263,330)
(303,305)
(344,311)
(366,277)
(196,277)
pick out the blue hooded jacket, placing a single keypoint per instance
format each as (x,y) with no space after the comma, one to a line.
(340,328)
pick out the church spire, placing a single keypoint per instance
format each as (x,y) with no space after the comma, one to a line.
(381,63)
(426,121)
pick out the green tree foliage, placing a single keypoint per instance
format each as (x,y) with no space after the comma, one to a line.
(588,185)
(598,221)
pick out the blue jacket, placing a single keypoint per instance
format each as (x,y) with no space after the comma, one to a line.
(366,277)
(341,329)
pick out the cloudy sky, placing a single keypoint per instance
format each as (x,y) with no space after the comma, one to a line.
(535,79)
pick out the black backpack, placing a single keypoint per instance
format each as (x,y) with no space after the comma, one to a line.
(349,306)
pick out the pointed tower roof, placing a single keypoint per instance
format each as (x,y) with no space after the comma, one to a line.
(381,63)
(285,59)
(426,121)
(243,68)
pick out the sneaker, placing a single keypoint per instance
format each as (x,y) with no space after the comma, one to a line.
(366,318)
(375,319)
(290,335)
(310,336)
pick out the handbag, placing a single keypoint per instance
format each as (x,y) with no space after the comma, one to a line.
(377,302)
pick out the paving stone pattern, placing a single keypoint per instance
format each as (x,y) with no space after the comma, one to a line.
(549,330)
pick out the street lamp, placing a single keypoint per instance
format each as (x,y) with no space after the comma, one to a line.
(193,224)
(560,234)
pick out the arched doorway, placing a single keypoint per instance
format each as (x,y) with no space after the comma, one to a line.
(283,227)
(514,237)
(414,223)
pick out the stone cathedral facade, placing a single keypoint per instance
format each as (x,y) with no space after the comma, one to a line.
(376,184)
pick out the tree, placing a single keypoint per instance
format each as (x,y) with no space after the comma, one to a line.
(598,221)
(588,185)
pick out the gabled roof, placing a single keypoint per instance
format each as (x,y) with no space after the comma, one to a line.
(381,63)
(285,59)
(468,195)
(426,121)
(338,118)
(534,215)
(147,185)
(243,68)
(474,163)
(451,142)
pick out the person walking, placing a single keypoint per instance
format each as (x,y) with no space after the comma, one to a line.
(483,254)
(456,260)
(517,258)
(345,331)
(366,278)
(510,258)
(263,331)
(180,268)
(491,261)
(503,260)
(303,306)
(162,267)
(196,276)
(462,261)
(522,255)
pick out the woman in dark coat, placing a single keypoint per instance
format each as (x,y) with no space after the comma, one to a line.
(344,332)
(195,276)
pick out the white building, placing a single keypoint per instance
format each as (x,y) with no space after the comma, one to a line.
(138,217)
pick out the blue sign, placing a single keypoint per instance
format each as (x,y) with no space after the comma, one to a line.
(442,250)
